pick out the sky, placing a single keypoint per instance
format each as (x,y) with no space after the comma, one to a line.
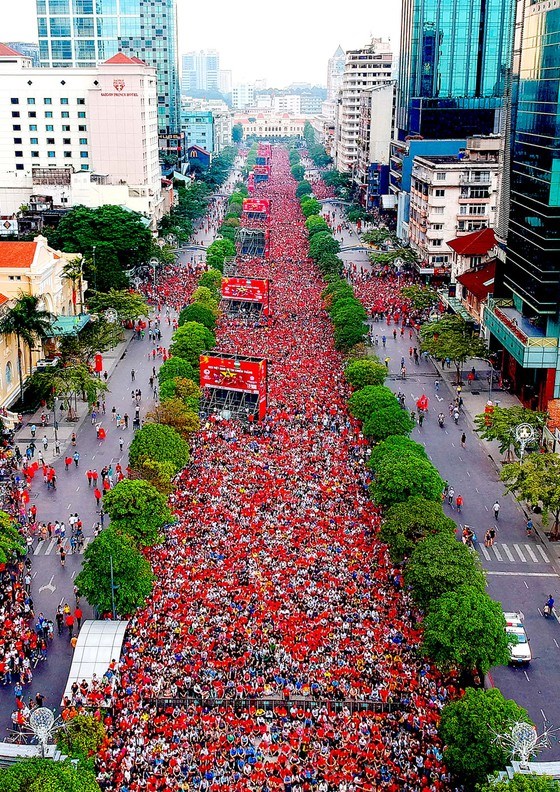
(281,42)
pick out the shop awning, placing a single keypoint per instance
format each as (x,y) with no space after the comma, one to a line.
(479,282)
(68,325)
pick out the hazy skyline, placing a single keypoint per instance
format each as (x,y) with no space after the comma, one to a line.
(282,54)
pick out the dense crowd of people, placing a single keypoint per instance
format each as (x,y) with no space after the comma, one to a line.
(278,650)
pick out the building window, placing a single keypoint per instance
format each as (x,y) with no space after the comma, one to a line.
(8,373)
(439,193)
(66,141)
(48,114)
(19,166)
(440,176)
(68,154)
(35,154)
(66,128)
(34,141)
(19,153)
(15,113)
(17,141)
(65,114)
(32,114)
(476,261)
(81,114)
(436,226)
(64,101)
(85,167)
(47,101)
(437,242)
(83,154)
(16,127)
(51,154)
(50,141)
(49,128)
(81,101)
(30,101)
(32,127)
(82,128)
(83,141)
(437,209)
(14,100)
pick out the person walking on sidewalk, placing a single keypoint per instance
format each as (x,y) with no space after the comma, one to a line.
(132,375)
(97,494)
(76,458)
(496,509)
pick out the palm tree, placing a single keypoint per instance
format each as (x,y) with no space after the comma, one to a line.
(28,323)
(73,271)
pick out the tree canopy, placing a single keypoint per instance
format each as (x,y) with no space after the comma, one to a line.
(537,481)
(315,223)
(395,445)
(366,371)
(12,544)
(138,510)
(121,239)
(155,441)
(132,575)
(177,367)
(190,341)
(218,252)
(81,737)
(501,422)
(421,297)
(466,630)
(399,477)
(175,413)
(197,312)
(129,305)
(362,403)
(520,782)
(45,775)
(438,564)
(468,728)
(450,337)
(407,523)
(310,206)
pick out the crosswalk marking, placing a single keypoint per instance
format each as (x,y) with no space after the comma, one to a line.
(50,547)
(522,553)
(507,551)
(543,554)
(39,546)
(519,552)
(532,556)
(497,553)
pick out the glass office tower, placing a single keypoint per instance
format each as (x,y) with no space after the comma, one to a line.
(84,32)
(454,62)
(532,268)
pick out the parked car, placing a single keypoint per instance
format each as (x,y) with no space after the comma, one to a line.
(520,651)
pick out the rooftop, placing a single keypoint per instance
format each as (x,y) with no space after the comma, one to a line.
(479,282)
(6,51)
(120,59)
(17,254)
(478,243)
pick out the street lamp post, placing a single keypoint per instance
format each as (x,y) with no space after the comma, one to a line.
(524,434)
(153,264)
(94,271)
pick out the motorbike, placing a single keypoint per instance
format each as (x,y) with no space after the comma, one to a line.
(441,421)
(547,609)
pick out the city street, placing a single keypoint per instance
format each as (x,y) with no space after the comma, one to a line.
(521,571)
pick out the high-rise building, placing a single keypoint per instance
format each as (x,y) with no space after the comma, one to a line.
(335,70)
(29,49)
(454,65)
(82,33)
(524,317)
(225,81)
(243,96)
(200,71)
(364,69)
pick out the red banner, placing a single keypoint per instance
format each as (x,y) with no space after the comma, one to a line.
(262,170)
(247,290)
(235,374)
(251,182)
(260,205)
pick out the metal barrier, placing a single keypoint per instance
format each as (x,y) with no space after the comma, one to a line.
(272,704)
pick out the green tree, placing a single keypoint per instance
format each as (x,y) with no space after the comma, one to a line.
(72,271)
(163,443)
(395,445)
(12,545)
(407,523)
(29,323)
(177,367)
(501,423)
(303,188)
(212,279)
(522,783)
(237,133)
(347,309)
(468,728)
(138,510)
(44,775)
(322,244)
(421,297)
(438,564)
(466,630)
(298,172)
(348,335)
(398,478)
(360,373)
(450,337)
(362,403)
(81,737)
(175,413)
(386,422)
(315,224)
(190,341)
(218,252)
(158,474)
(537,481)
(310,206)
(197,312)
(204,296)
(82,347)
(184,389)
(73,382)
(120,237)
(128,305)
(132,576)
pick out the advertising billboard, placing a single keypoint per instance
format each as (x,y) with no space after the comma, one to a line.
(247,290)
(241,374)
(256,205)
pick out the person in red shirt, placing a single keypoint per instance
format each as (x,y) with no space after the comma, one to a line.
(78,616)
(97,494)
(70,624)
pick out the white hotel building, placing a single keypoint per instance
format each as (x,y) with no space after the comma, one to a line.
(79,135)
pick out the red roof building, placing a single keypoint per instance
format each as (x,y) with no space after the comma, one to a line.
(478,243)
(8,52)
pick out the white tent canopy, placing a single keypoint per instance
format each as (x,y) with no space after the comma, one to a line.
(99,642)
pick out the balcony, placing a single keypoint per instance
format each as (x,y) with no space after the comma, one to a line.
(525,342)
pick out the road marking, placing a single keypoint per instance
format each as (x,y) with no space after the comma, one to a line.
(532,556)
(485,552)
(49,586)
(519,553)
(460,459)
(556,642)
(73,574)
(34,575)
(476,489)
(468,474)
(50,547)
(77,488)
(507,551)
(39,546)
(543,554)
(524,574)
(453,444)
(69,504)
(526,586)
(526,676)
(486,507)
(497,553)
